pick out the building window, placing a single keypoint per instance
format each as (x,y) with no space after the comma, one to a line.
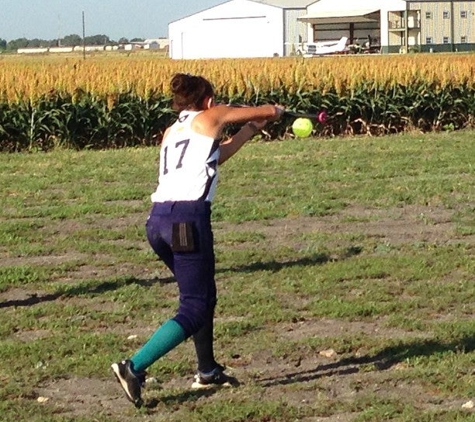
(428,40)
(463,14)
(446,15)
(463,39)
(446,40)
(428,15)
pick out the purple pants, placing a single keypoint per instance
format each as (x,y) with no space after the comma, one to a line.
(194,271)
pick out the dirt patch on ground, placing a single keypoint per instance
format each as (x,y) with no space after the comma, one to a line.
(321,375)
(395,226)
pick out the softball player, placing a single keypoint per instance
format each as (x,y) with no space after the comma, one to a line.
(179,224)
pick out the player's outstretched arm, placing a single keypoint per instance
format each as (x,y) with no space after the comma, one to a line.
(224,114)
(212,121)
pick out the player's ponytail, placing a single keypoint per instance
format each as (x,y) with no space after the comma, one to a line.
(189,91)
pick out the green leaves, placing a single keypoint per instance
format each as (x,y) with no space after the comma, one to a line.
(128,119)
(86,122)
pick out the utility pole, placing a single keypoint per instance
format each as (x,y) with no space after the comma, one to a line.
(59,30)
(83,36)
(452,29)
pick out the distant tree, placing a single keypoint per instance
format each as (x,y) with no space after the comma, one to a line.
(71,40)
(97,40)
(18,43)
(37,43)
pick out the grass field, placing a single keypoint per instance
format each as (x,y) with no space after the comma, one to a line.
(345,270)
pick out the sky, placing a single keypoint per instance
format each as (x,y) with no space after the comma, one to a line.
(52,19)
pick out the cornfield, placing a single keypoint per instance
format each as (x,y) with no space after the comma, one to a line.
(107,101)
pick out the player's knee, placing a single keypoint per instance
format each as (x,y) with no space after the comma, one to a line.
(193,316)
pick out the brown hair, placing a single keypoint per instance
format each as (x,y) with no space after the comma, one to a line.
(189,91)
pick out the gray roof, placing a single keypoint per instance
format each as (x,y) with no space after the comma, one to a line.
(287,4)
(283,4)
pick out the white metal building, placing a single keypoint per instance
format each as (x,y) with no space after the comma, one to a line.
(240,28)
(395,25)
(332,19)
(266,28)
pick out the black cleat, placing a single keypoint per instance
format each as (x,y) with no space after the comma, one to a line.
(130,381)
(215,378)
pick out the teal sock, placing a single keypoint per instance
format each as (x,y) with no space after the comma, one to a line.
(166,338)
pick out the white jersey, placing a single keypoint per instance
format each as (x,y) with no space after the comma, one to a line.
(188,163)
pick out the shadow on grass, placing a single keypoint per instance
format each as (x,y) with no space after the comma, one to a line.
(88,289)
(32,299)
(91,288)
(276,266)
(307,261)
(385,359)
(180,398)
